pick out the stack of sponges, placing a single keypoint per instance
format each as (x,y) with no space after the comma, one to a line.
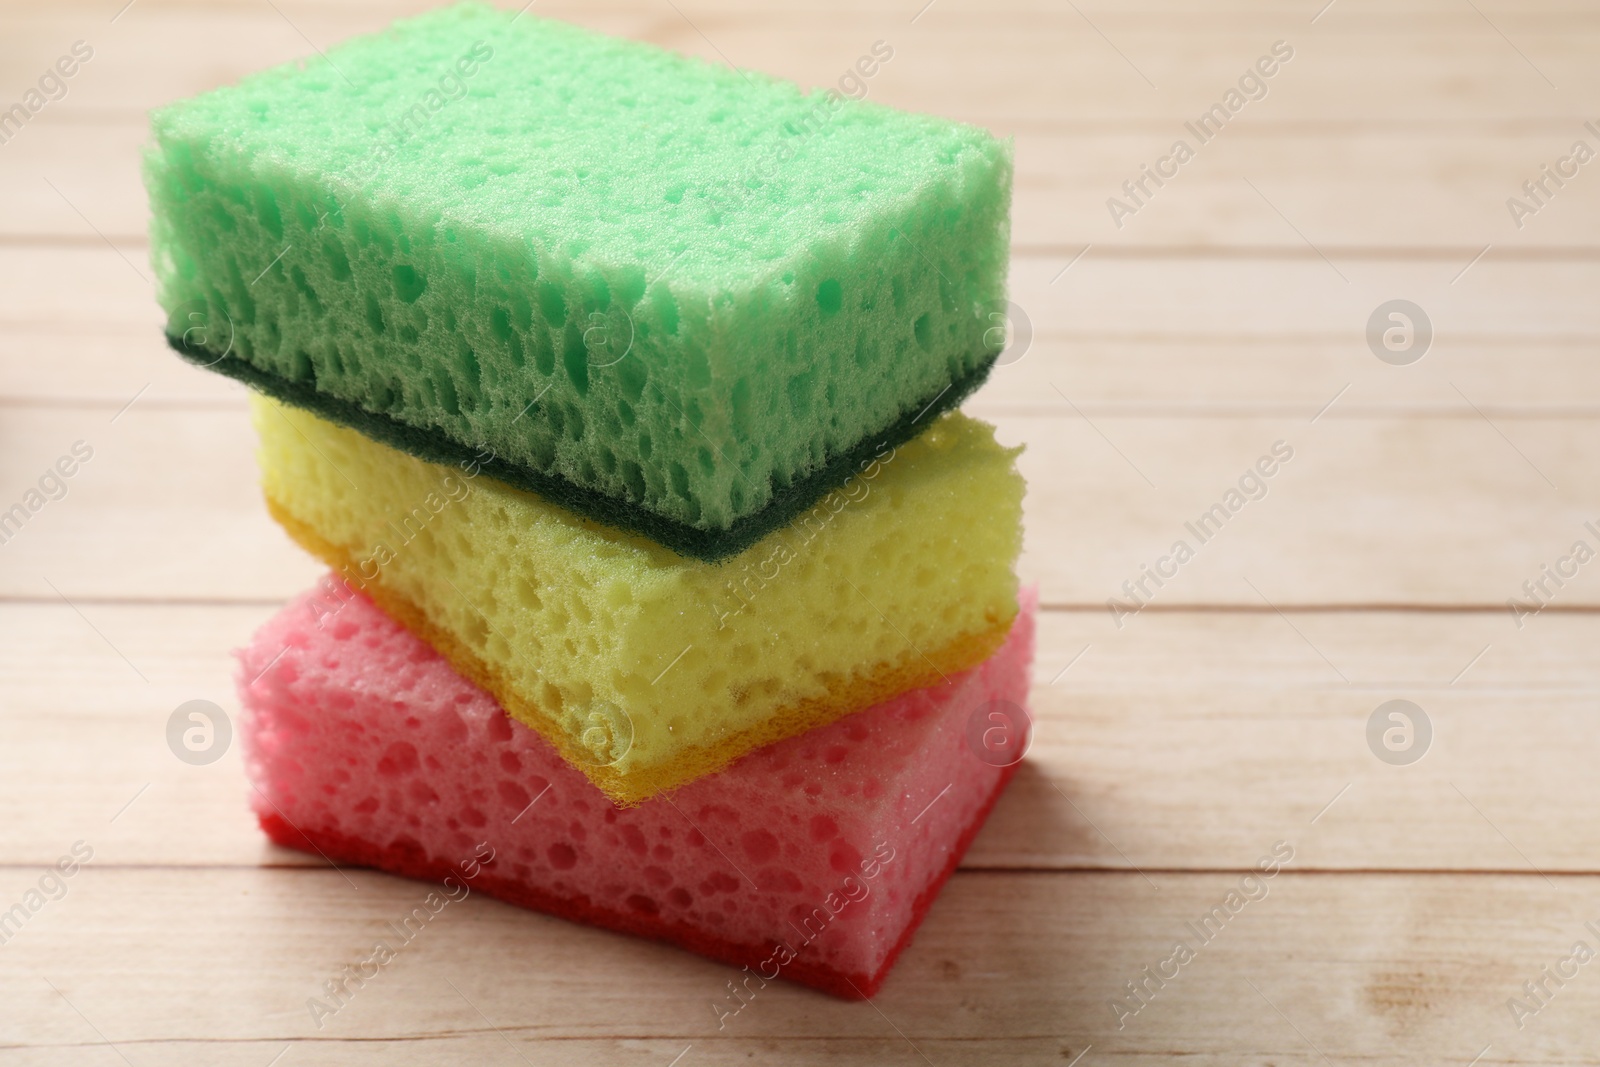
(622,384)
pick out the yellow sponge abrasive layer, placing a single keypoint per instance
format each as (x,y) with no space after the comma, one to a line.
(646,669)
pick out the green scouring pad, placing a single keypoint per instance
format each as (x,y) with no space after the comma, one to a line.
(678,298)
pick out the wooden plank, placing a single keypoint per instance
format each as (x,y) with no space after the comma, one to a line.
(216,966)
(1403,157)
(1371,510)
(1177,744)
(1103,375)
(1115,334)
(177,492)
(90,290)
(1184,743)
(1260,185)
(1423,61)
(1124,334)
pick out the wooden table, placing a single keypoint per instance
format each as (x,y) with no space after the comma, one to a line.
(1228,312)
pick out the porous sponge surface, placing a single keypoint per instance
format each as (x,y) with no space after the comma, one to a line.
(645,668)
(365,745)
(709,281)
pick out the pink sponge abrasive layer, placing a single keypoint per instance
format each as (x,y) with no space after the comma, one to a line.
(813,859)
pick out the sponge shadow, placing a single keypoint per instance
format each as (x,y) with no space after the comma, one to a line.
(1042,903)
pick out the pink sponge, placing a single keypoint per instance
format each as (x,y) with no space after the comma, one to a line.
(813,859)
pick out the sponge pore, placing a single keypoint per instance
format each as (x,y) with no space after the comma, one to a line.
(366,748)
(623,274)
(647,669)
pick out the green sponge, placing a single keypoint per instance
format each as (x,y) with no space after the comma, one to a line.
(672,296)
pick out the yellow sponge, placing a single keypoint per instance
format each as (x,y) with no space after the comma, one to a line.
(644,668)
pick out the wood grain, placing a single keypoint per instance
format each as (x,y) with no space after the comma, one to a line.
(1161,359)
(1297,166)
(1290,188)
(169,507)
(1116,333)
(212,966)
(1178,744)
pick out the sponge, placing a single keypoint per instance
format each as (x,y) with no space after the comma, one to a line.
(674,297)
(644,667)
(813,859)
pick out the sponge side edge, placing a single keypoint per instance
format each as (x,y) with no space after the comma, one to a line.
(709,546)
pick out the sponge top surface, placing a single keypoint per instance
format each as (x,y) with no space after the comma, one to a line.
(587,146)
